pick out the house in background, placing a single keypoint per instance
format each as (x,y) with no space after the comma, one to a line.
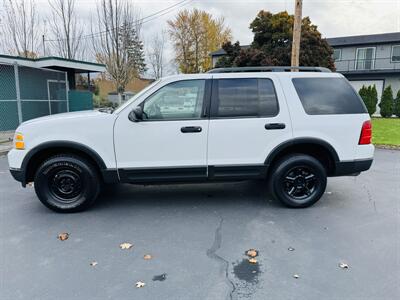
(369,59)
(107,89)
(363,59)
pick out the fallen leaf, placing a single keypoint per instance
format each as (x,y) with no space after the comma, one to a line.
(291,249)
(140,284)
(251,253)
(161,277)
(63,236)
(147,257)
(343,265)
(94,263)
(125,246)
(252,260)
(296,276)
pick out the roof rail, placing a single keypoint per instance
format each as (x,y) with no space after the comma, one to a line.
(269,69)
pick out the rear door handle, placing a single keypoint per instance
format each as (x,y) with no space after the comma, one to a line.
(188,129)
(271,126)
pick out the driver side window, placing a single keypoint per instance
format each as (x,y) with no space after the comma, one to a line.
(174,101)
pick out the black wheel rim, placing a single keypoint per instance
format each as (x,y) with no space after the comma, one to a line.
(300,183)
(65,184)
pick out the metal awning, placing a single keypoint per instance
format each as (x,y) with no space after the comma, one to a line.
(57,63)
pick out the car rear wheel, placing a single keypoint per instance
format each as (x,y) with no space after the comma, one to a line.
(298,180)
(67,183)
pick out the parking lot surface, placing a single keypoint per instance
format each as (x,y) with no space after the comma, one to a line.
(197,236)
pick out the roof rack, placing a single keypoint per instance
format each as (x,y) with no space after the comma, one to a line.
(269,69)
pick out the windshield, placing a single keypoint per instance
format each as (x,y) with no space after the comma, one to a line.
(137,96)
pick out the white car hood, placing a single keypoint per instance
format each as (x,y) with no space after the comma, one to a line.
(70,115)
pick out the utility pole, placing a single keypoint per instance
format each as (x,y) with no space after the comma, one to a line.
(296,33)
(44,46)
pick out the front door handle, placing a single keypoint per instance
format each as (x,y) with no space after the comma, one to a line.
(188,129)
(271,126)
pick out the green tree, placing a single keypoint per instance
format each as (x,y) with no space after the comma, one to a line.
(374,96)
(397,104)
(386,104)
(133,46)
(370,98)
(232,51)
(272,43)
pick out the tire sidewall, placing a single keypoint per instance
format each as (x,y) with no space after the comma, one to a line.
(290,162)
(89,181)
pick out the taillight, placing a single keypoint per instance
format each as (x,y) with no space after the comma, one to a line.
(366,133)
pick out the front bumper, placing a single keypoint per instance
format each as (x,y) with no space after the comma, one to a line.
(18,175)
(355,167)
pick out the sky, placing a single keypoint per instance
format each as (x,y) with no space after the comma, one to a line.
(333,17)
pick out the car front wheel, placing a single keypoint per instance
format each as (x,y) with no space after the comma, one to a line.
(298,180)
(67,183)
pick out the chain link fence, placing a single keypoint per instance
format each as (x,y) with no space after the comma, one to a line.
(27,93)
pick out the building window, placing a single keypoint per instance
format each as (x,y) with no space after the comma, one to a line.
(337,54)
(365,58)
(395,53)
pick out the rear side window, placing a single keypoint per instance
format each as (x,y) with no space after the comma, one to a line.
(244,97)
(328,96)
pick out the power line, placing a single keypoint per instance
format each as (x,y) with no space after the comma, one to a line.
(143,20)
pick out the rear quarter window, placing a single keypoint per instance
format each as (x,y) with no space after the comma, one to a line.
(328,96)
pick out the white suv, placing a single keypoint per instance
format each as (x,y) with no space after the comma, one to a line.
(293,129)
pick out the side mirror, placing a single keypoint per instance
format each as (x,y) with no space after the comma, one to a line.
(136,114)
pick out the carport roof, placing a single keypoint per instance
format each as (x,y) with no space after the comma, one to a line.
(53,62)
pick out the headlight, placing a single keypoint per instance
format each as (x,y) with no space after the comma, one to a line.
(19,141)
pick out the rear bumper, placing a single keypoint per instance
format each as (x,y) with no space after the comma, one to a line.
(355,167)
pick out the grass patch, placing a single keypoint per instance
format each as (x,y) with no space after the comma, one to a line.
(386,131)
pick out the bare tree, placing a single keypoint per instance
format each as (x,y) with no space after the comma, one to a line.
(20,21)
(118,45)
(155,55)
(65,29)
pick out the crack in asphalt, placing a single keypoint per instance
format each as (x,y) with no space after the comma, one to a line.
(370,198)
(211,253)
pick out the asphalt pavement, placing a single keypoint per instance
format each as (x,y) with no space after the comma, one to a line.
(197,236)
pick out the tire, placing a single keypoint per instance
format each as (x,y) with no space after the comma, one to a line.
(298,180)
(67,183)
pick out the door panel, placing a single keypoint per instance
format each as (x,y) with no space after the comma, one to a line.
(245,139)
(160,144)
(173,134)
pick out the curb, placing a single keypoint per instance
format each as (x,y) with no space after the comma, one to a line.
(3,152)
(388,147)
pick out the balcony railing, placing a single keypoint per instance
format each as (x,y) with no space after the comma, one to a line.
(363,65)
